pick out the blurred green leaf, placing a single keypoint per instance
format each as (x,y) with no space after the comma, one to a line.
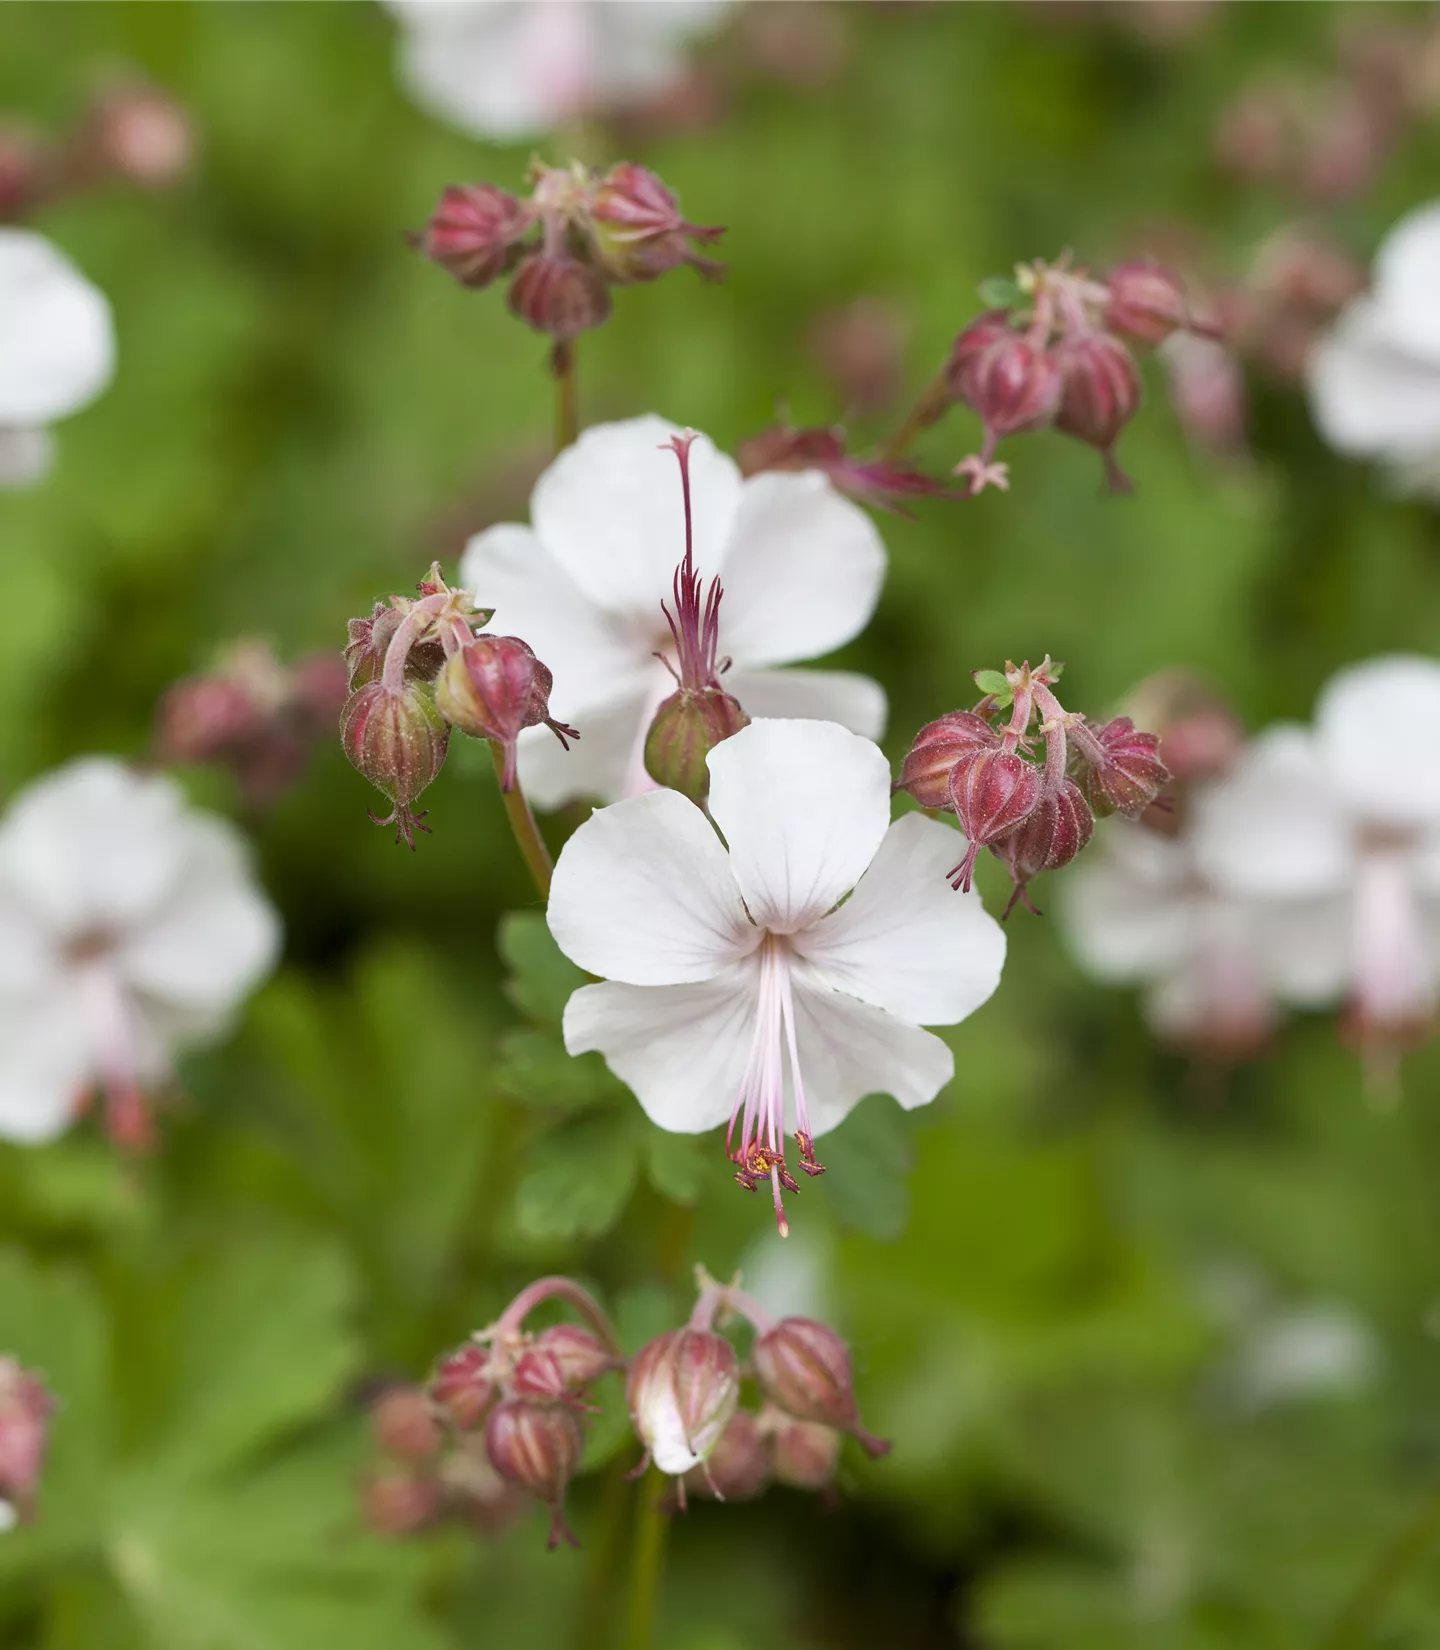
(675,1165)
(534,1070)
(1000,292)
(576,1181)
(542,977)
(867,1162)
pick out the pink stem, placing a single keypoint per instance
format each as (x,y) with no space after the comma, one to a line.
(558,1288)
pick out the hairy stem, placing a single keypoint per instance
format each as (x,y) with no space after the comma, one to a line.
(567,394)
(647,1562)
(1357,1622)
(522,822)
(557,1288)
(932,406)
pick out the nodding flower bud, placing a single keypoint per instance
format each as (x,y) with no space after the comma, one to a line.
(739,1465)
(803,1454)
(687,727)
(562,1361)
(637,231)
(987,329)
(537,1444)
(1013,383)
(403,1423)
(398,741)
(25,1408)
(1145,303)
(803,1367)
(682,1390)
(463,1386)
(1058,828)
(1100,394)
(939,745)
(475,232)
(369,641)
(397,1502)
(558,295)
(494,686)
(991,791)
(1120,770)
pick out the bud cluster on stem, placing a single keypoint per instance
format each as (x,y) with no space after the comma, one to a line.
(25,1408)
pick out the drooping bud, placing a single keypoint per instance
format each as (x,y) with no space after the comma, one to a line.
(397,1502)
(25,1408)
(561,1361)
(491,688)
(687,727)
(1058,828)
(398,741)
(463,1386)
(556,294)
(1014,384)
(204,715)
(475,232)
(537,1444)
(1145,304)
(682,1390)
(637,230)
(739,1466)
(804,1368)
(939,745)
(991,327)
(803,1454)
(1100,394)
(402,1421)
(1120,770)
(369,641)
(991,791)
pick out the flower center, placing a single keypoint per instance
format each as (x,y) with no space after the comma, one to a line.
(760,1104)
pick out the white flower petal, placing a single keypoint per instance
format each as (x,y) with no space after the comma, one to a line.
(597,764)
(1368,396)
(1407,277)
(904,940)
(45,1068)
(1377,728)
(803,807)
(844,696)
(681,1049)
(1304,949)
(57,345)
(802,572)
(1127,919)
(611,511)
(643,894)
(26,455)
(849,1049)
(1275,827)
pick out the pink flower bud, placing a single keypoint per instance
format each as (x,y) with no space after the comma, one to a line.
(991,791)
(562,1361)
(398,1503)
(803,1454)
(492,688)
(1054,833)
(1120,769)
(475,232)
(739,1465)
(538,1445)
(687,727)
(803,1367)
(398,741)
(463,1386)
(558,295)
(637,230)
(682,1390)
(318,684)
(370,639)
(21,171)
(1014,385)
(939,745)
(991,327)
(403,1424)
(1100,395)
(144,135)
(203,716)
(25,1408)
(1146,303)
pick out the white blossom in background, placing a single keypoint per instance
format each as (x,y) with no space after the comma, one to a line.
(130,926)
(57,350)
(740,982)
(802,569)
(511,69)
(1374,378)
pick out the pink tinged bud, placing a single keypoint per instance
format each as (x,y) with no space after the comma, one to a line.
(1146,303)
(803,1367)
(462,1387)
(20,174)
(403,1424)
(1121,770)
(398,741)
(990,328)
(739,1465)
(558,295)
(803,1454)
(144,136)
(318,683)
(370,640)
(538,1445)
(1014,385)
(939,745)
(682,1390)
(687,727)
(1100,394)
(474,232)
(561,1362)
(1054,833)
(398,1503)
(991,791)
(25,1408)
(637,230)
(205,716)
(492,688)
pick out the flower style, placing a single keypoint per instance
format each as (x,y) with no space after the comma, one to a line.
(57,350)
(585,583)
(739,981)
(510,69)
(1374,378)
(129,925)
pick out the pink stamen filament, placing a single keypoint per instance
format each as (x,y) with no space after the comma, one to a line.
(696,631)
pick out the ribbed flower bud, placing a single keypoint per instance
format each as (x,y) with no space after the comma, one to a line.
(474,232)
(369,641)
(1120,770)
(25,1408)
(403,1424)
(537,1444)
(991,327)
(398,741)
(492,687)
(991,791)
(1100,394)
(739,1465)
(462,1386)
(562,1361)
(939,745)
(1055,831)
(803,1454)
(558,295)
(1013,383)
(682,1390)
(804,1368)
(687,727)
(1146,303)
(637,231)
(397,1502)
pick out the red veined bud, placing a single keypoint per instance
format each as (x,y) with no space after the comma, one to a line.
(1120,768)
(991,791)
(803,1367)
(1054,833)
(803,1454)
(687,727)
(682,1390)
(318,686)
(738,1468)
(369,641)
(991,327)
(398,741)
(1146,303)
(637,230)
(398,1502)
(1014,385)
(492,688)
(475,232)
(537,1444)
(402,1422)
(1100,394)
(558,295)
(939,745)
(25,1408)
(204,716)
(561,1362)
(462,1386)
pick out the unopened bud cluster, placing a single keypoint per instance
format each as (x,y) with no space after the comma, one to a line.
(1034,809)
(420,666)
(565,244)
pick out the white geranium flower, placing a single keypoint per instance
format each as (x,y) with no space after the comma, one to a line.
(802,569)
(509,69)
(1374,379)
(129,925)
(741,983)
(57,350)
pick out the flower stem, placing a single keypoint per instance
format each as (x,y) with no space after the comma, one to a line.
(567,399)
(1361,1615)
(647,1562)
(928,410)
(557,1288)
(522,822)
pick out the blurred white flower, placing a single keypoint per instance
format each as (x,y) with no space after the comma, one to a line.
(738,985)
(57,350)
(583,585)
(510,69)
(130,924)
(1374,378)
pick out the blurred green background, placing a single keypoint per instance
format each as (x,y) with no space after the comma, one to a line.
(1076,1285)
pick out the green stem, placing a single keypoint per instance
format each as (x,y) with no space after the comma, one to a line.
(522,823)
(647,1562)
(928,410)
(1361,1615)
(567,394)
(595,1620)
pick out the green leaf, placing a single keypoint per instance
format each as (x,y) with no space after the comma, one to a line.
(867,1161)
(542,977)
(534,1070)
(993,683)
(675,1165)
(1000,292)
(579,1182)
